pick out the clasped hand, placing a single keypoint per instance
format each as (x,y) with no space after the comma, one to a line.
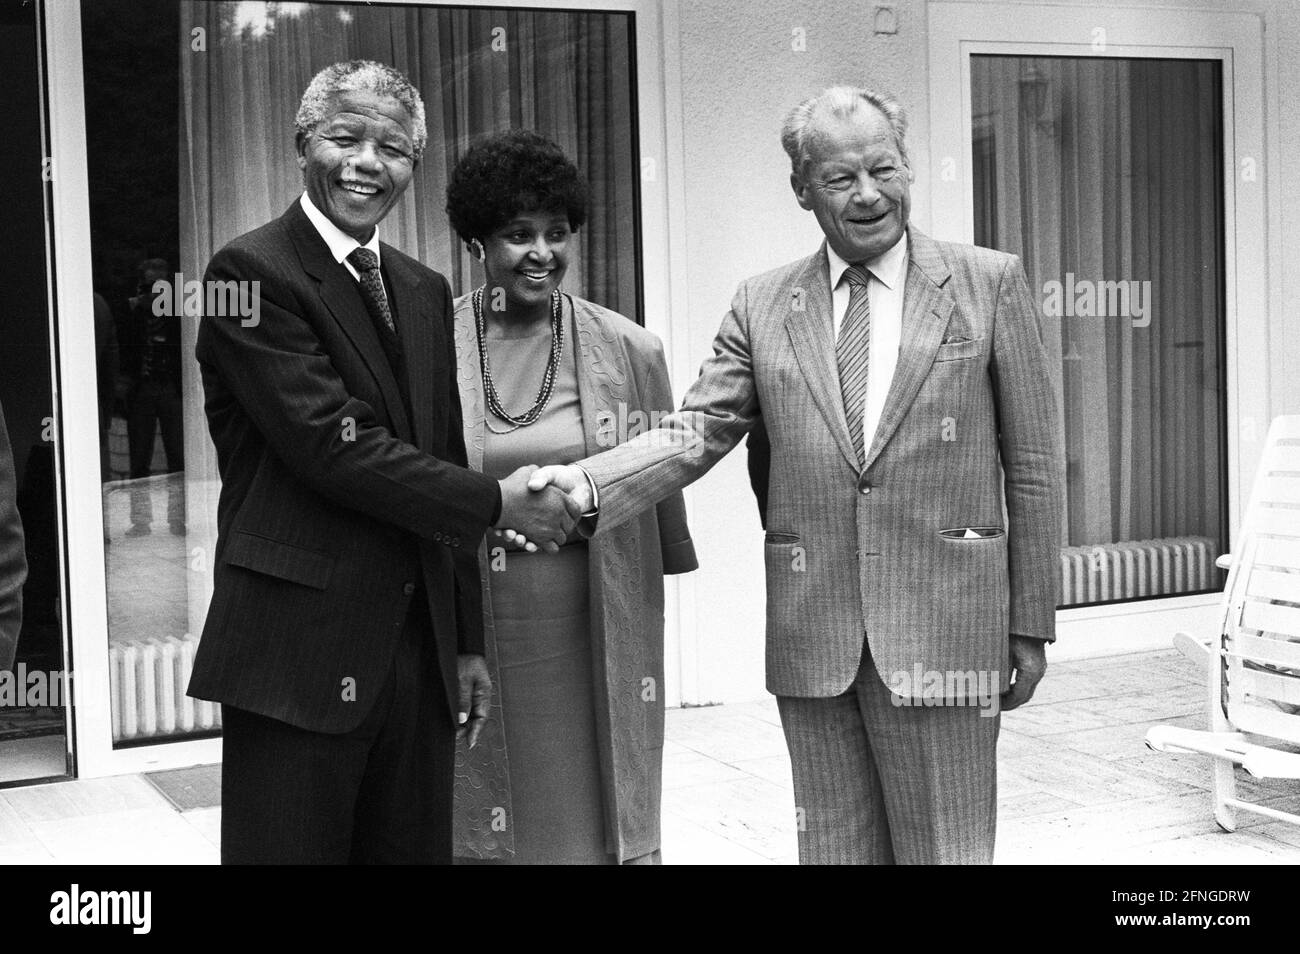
(540,506)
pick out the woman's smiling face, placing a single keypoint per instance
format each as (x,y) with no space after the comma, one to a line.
(527,257)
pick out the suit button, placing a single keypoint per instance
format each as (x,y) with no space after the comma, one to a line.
(864,485)
(408,588)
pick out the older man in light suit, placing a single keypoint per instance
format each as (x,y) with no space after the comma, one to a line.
(914,502)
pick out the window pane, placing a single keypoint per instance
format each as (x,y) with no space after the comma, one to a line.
(34,693)
(190,128)
(1105,175)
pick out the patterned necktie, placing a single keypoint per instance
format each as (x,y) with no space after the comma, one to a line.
(852,350)
(366,263)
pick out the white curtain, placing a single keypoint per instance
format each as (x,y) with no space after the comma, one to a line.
(567,75)
(1111,170)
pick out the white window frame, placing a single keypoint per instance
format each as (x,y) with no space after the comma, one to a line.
(958,31)
(76,410)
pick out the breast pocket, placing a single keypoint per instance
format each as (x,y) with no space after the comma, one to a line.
(959,350)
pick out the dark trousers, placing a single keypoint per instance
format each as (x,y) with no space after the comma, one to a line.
(155,406)
(155,403)
(380,794)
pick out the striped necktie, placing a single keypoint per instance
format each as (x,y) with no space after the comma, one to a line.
(851,353)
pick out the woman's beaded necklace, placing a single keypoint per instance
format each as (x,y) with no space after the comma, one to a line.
(534,413)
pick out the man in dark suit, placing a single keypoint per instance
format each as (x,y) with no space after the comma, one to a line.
(13,555)
(344,637)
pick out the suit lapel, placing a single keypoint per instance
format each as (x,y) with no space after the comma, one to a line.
(469,375)
(417,329)
(338,292)
(810,329)
(926,307)
(603,382)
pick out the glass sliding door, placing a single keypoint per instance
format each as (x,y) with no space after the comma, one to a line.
(1106,176)
(189,110)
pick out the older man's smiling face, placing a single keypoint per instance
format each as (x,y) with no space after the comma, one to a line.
(854,180)
(358,160)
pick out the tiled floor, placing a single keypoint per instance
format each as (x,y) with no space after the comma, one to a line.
(1076,785)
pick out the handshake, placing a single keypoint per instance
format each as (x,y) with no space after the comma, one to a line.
(540,506)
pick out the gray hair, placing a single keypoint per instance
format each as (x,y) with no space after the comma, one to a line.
(841,102)
(360,75)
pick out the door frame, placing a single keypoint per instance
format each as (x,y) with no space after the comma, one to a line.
(959,30)
(75,406)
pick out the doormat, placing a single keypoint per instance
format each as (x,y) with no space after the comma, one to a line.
(27,722)
(189,788)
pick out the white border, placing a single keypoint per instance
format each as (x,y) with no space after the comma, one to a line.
(77,413)
(958,30)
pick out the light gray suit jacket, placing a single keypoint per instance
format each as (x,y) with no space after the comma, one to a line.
(878,548)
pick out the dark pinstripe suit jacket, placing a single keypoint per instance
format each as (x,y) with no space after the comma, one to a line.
(967,438)
(13,555)
(335,504)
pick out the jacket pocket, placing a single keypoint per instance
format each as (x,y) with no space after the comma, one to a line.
(980,533)
(957,350)
(778,538)
(283,560)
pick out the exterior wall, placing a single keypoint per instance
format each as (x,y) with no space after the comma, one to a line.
(739,75)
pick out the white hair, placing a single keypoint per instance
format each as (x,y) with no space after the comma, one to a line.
(842,102)
(361,75)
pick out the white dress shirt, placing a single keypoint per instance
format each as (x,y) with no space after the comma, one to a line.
(341,244)
(885,295)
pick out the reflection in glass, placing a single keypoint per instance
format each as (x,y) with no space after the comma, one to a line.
(1106,176)
(190,109)
(33,693)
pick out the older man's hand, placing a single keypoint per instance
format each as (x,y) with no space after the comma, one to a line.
(1028,664)
(568,477)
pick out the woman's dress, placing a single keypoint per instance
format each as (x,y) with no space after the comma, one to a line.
(543,624)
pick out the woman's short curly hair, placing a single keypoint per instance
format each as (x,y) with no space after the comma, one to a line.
(507,173)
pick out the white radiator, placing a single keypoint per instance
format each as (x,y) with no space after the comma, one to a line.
(147,680)
(1121,571)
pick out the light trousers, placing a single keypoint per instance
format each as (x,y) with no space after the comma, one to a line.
(881,783)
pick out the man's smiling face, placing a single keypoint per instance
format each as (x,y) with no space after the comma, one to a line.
(358,160)
(855,181)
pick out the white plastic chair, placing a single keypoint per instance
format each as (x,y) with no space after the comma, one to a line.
(1253,671)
